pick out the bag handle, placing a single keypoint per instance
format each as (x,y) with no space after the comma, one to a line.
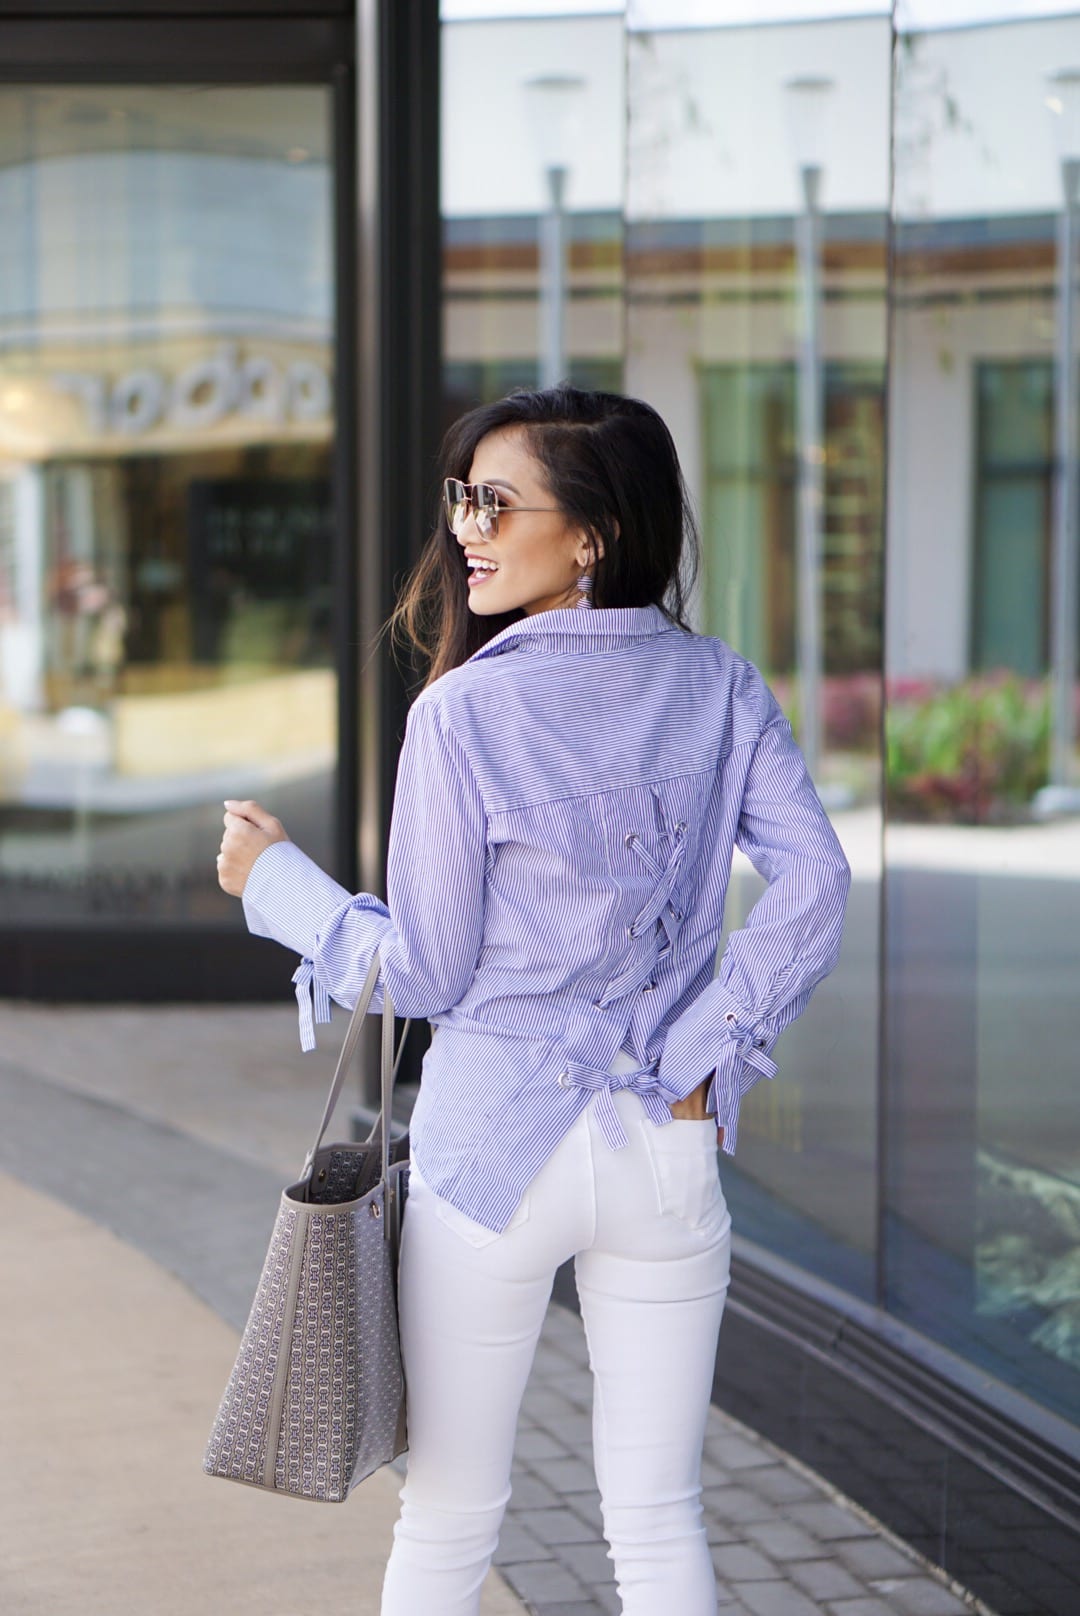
(389,1064)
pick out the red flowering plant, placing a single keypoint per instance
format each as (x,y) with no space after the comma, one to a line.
(853,712)
(851,709)
(850,768)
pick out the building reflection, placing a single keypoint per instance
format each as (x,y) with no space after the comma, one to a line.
(166,417)
(932,458)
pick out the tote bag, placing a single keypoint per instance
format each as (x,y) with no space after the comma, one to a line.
(316,1398)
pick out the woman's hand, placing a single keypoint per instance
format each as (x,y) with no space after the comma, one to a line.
(248,830)
(693,1107)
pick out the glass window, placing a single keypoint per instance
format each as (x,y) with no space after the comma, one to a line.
(817,254)
(982,1148)
(755,286)
(1012,515)
(166,420)
(749,415)
(679,201)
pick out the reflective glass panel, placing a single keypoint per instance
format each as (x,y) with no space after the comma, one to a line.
(166,419)
(532,214)
(665,149)
(982,1142)
(755,288)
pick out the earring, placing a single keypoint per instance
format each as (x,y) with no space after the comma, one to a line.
(584,588)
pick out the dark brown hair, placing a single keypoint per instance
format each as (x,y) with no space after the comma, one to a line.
(611,467)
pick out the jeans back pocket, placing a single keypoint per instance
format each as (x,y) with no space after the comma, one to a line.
(686,1171)
(468,1229)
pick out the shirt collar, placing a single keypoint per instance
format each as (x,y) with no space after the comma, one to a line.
(578,628)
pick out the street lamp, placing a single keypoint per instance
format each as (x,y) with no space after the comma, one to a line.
(1063,99)
(554,102)
(807,101)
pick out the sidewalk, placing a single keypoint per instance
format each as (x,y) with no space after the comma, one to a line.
(112,1373)
(164,1135)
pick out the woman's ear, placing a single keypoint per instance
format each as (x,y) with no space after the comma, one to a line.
(598,543)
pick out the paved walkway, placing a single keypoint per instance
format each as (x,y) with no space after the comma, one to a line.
(161,1137)
(113,1370)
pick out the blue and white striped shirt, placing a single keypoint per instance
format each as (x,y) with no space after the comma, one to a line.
(566,807)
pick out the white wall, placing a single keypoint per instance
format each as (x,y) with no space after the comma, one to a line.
(704,134)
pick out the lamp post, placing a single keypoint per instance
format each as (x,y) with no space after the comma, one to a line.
(1063,99)
(807,107)
(554,101)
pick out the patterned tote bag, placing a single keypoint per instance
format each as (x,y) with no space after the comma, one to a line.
(316,1398)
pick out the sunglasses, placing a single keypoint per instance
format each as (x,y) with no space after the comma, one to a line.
(482,501)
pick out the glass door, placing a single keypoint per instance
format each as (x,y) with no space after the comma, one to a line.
(167,427)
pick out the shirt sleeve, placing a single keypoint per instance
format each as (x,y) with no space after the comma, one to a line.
(429,931)
(789,943)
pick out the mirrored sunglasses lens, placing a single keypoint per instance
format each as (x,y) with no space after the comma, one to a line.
(457,504)
(487,508)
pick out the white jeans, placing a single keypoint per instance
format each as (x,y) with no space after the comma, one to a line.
(649,1229)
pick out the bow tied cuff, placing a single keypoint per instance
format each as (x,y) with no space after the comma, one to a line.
(308,989)
(751,1050)
(742,1062)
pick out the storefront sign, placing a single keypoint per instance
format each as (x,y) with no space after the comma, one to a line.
(201,395)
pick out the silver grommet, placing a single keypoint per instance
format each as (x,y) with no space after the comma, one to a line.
(630,932)
(631,836)
(563,1080)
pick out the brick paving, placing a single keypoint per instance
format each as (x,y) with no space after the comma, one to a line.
(143,1159)
(784,1542)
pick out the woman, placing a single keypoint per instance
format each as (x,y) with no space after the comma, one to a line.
(574,775)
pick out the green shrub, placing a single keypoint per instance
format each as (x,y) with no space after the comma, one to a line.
(975,753)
